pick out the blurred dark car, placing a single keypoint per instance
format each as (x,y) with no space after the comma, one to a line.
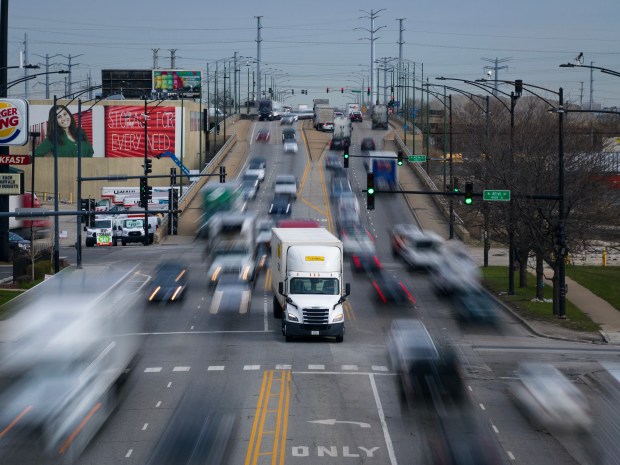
(288,118)
(356,116)
(391,289)
(339,185)
(475,306)
(262,135)
(333,161)
(250,188)
(169,282)
(232,293)
(337,144)
(17,244)
(281,205)
(368,143)
(365,259)
(196,434)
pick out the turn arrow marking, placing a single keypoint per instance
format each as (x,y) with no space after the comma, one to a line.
(333,421)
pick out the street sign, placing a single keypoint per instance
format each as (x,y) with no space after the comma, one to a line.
(405,127)
(14,159)
(496,195)
(104,237)
(417,158)
(355,91)
(37,213)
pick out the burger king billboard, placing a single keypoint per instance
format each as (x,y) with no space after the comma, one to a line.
(13,122)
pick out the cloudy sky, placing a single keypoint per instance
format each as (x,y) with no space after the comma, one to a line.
(318,44)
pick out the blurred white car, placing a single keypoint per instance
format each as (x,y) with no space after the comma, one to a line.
(290,146)
(417,247)
(457,270)
(548,398)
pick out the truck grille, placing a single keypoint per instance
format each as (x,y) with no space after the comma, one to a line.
(316,316)
(134,234)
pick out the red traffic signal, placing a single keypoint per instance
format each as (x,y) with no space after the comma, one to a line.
(327,90)
(368,91)
(342,90)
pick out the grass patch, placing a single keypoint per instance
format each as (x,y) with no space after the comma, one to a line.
(602,281)
(5,296)
(496,280)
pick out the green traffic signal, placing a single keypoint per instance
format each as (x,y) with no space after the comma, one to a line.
(371,190)
(469,193)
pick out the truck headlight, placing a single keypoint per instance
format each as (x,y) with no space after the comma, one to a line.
(338,318)
(292,317)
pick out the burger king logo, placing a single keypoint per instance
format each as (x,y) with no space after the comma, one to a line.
(13,122)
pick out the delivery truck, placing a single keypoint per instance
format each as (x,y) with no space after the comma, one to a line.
(380,116)
(39,227)
(308,282)
(383,164)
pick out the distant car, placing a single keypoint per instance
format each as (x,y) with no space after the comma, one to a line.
(391,289)
(262,135)
(475,306)
(257,166)
(288,118)
(232,293)
(288,134)
(250,188)
(355,238)
(368,143)
(337,144)
(281,205)
(169,282)
(338,113)
(417,247)
(286,184)
(366,260)
(17,244)
(338,186)
(356,116)
(333,160)
(290,146)
(550,400)
(328,127)
(457,272)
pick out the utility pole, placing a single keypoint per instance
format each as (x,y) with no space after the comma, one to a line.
(173,58)
(399,74)
(591,85)
(69,66)
(372,15)
(496,69)
(4,150)
(235,97)
(258,41)
(581,96)
(26,70)
(155,58)
(47,71)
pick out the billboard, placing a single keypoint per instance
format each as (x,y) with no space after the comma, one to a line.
(177,81)
(13,122)
(125,133)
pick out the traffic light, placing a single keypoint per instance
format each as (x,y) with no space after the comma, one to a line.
(392,89)
(327,90)
(143,200)
(469,193)
(346,156)
(518,87)
(342,90)
(270,91)
(400,158)
(455,185)
(370,191)
(368,92)
(293,91)
(222,174)
(148,166)
(149,193)
(173,176)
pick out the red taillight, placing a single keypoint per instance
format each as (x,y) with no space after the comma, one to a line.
(408,293)
(381,296)
(377,262)
(356,261)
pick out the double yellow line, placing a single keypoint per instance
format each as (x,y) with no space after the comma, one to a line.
(268,436)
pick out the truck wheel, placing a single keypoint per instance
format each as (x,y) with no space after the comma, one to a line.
(114,242)
(287,336)
(277,308)
(340,337)
(124,242)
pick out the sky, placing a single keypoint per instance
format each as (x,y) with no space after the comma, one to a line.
(326,44)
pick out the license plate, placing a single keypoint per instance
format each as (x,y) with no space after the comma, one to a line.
(314,333)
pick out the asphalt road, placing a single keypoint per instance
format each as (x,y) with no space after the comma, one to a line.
(317,401)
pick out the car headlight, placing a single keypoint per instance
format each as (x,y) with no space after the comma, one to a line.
(338,318)
(292,317)
(23,245)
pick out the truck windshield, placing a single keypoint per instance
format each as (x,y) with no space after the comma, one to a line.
(328,286)
(103,224)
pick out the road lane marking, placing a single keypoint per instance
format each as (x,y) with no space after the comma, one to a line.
(215,368)
(158,404)
(153,370)
(386,433)
(15,420)
(283,367)
(495,429)
(379,368)
(349,367)
(181,369)
(316,367)
(251,367)
(128,454)
(482,406)
(512,457)
(146,425)
(314,207)
(272,411)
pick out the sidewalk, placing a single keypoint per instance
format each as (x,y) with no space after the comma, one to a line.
(599,310)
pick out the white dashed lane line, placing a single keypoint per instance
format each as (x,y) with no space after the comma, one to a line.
(315,367)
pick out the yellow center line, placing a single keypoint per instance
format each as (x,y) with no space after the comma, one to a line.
(268,279)
(314,207)
(15,420)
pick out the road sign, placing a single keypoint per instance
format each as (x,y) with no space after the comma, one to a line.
(496,195)
(104,237)
(14,159)
(417,158)
(355,91)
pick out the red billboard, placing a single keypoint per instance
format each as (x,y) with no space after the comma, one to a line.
(125,134)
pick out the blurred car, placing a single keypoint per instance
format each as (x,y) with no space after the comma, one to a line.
(298,223)
(356,116)
(549,399)
(257,166)
(365,260)
(17,244)
(286,184)
(337,144)
(417,247)
(425,373)
(457,272)
(355,238)
(475,306)
(280,205)
(288,118)
(338,113)
(348,202)
(250,188)
(290,146)
(328,126)
(232,293)
(390,289)
(333,160)
(338,186)
(368,143)
(262,135)
(263,241)
(169,282)
(288,134)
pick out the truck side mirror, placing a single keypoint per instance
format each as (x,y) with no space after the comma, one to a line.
(85,228)
(281,287)
(347,289)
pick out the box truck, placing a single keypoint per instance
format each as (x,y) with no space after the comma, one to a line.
(380,117)
(308,283)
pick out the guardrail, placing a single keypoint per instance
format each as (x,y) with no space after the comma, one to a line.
(195,186)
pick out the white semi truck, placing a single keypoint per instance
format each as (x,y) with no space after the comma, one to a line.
(308,283)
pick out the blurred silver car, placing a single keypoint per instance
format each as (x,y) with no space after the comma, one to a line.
(549,399)
(290,146)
